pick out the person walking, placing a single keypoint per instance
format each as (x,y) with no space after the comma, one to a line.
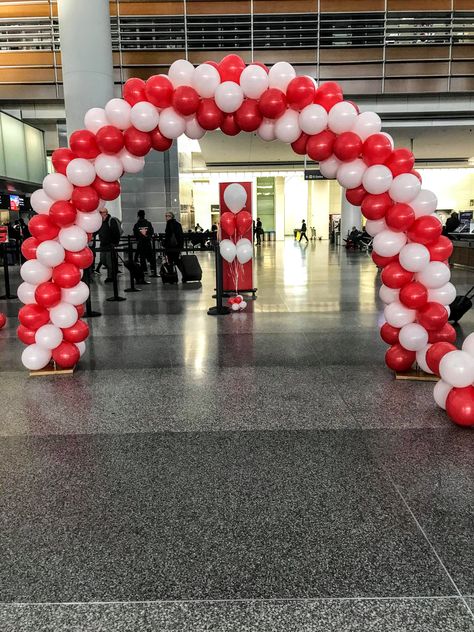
(259,230)
(174,239)
(143,232)
(303,231)
(109,237)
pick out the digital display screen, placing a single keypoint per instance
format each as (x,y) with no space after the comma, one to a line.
(15,203)
(12,202)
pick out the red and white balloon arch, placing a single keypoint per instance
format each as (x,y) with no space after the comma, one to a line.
(276,104)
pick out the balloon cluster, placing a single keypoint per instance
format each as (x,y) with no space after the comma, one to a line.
(236,224)
(237,303)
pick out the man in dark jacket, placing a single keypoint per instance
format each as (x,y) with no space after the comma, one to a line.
(174,239)
(452,223)
(303,230)
(143,232)
(109,236)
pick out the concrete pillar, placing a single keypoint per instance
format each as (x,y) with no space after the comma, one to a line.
(350,216)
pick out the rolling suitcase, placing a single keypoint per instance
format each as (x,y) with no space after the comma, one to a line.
(168,273)
(461,305)
(190,268)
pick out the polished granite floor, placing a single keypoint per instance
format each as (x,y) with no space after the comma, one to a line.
(261,471)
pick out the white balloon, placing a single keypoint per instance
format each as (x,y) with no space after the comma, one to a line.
(280,75)
(229,96)
(457,368)
(377,179)
(287,128)
(254,81)
(48,337)
(50,253)
(441,392)
(205,80)
(366,124)
(131,163)
(118,113)
(424,203)
(375,226)
(76,295)
(181,73)
(80,172)
(193,129)
(388,243)
(57,187)
(243,304)
(388,295)
(235,197)
(467,345)
(144,116)
(434,275)
(228,250)
(35,357)
(90,222)
(413,337)
(444,294)
(73,238)
(350,174)
(398,315)
(414,257)
(94,119)
(26,293)
(313,119)
(421,359)
(244,250)
(171,123)
(34,272)
(40,202)
(342,117)
(404,188)
(329,167)
(266,131)
(63,315)
(235,307)
(108,167)
(82,347)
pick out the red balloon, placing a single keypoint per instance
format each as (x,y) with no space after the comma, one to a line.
(109,139)
(26,335)
(106,190)
(299,145)
(244,222)
(77,333)
(376,150)
(159,91)
(389,334)
(66,275)
(374,206)
(29,246)
(83,144)
(460,406)
(400,216)
(300,92)
(48,294)
(394,276)
(400,161)
(61,158)
(41,227)
(398,358)
(416,173)
(320,146)
(328,94)
(136,142)
(347,146)
(259,63)
(230,68)
(158,141)
(3,320)
(441,249)
(186,100)
(425,230)
(414,295)
(445,334)
(85,199)
(248,116)
(229,125)
(355,196)
(66,355)
(33,316)
(355,106)
(380,261)
(134,91)
(208,115)
(62,213)
(272,103)
(435,354)
(228,223)
(432,316)
(81,310)
(82,259)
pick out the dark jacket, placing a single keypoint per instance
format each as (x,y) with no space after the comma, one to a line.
(109,232)
(143,223)
(303,227)
(451,224)
(174,239)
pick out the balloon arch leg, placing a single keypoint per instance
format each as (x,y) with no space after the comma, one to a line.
(276,104)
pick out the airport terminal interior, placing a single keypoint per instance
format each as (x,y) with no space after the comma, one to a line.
(236,348)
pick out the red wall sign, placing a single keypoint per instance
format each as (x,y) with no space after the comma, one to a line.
(3,234)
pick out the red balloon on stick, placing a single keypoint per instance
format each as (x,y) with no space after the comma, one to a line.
(460,406)
(395,276)
(436,352)
(381,262)
(82,259)
(414,295)
(66,355)
(328,94)
(136,142)
(347,146)
(425,230)
(208,115)
(48,294)
(85,199)
(441,249)
(374,206)
(398,358)
(228,223)
(62,213)
(77,333)
(229,125)
(106,190)
(41,227)
(300,92)
(248,116)
(61,158)
(389,334)
(27,336)
(158,141)
(445,334)
(83,143)
(244,222)
(33,316)
(186,100)
(66,275)
(134,91)
(299,145)
(231,67)
(320,146)
(159,91)
(376,149)
(400,216)
(432,316)
(400,161)
(109,139)
(272,103)
(29,246)
(355,196)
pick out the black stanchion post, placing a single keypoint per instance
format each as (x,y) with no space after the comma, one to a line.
(90,313)
(114,260)
(6,275)
(132,287)
(154,272)
(219,309)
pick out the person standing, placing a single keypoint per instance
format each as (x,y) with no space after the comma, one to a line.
(303,231)
(143,232)
(109,237)
(259,229)
(452,223)
(174,239)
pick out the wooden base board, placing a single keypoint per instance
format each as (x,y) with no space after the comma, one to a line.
(51,369)
(416,375)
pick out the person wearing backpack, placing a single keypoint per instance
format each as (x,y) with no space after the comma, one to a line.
(143,232)
(109,236)
(174,238)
